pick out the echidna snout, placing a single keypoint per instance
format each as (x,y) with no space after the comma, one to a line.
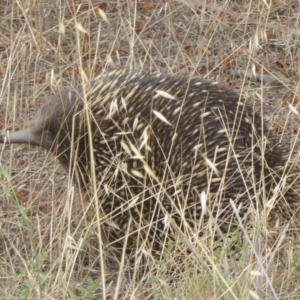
(157,143)
(25,136)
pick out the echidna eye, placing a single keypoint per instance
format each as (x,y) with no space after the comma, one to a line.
(66,158)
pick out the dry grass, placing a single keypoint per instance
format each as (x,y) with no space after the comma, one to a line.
(49,238)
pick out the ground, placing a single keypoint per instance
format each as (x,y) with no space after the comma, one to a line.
(49,246)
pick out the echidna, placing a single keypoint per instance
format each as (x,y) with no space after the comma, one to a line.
(150,144)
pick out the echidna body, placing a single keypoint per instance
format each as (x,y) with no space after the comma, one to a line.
(150,145)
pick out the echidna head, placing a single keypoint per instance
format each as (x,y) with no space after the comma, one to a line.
(45,125)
